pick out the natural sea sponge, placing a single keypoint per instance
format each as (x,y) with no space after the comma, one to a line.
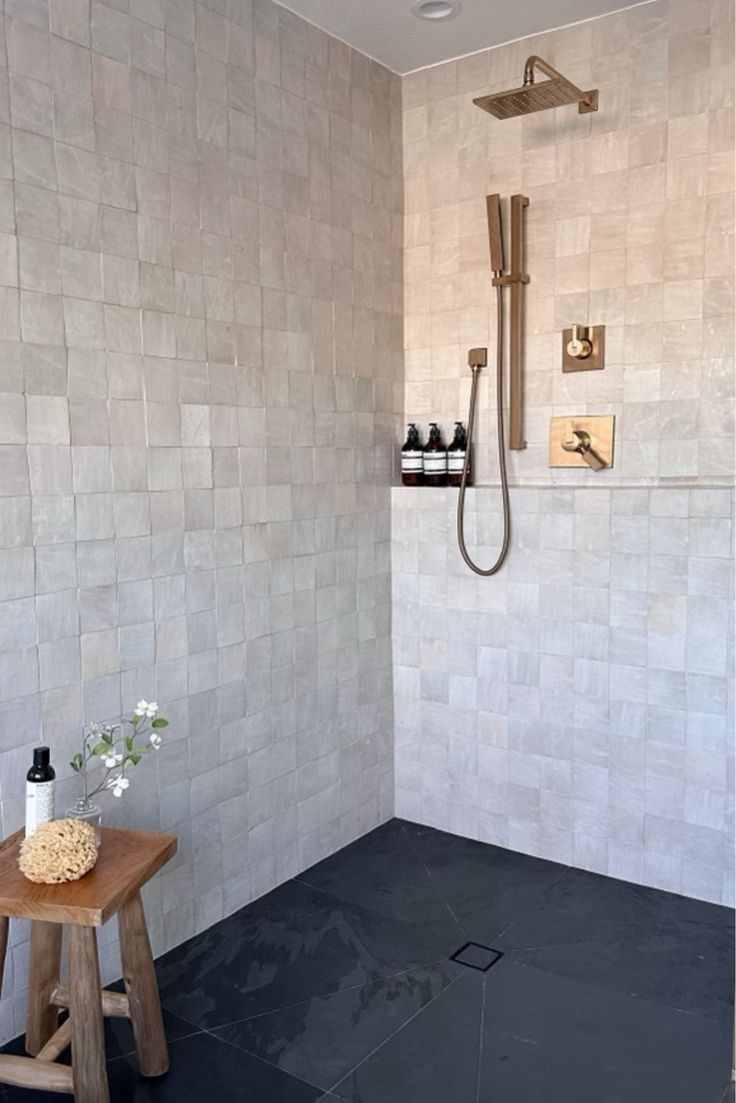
(58,851)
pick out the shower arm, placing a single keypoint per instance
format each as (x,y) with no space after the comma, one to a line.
(589,99)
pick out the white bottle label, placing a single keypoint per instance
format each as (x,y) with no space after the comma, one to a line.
(39,804)
(411,463)
(435,463)
(455,462)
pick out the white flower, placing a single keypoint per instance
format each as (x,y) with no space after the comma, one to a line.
(155,740)
(112,759)
(146,708)
(118,785)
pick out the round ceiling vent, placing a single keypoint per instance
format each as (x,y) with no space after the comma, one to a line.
(435,9)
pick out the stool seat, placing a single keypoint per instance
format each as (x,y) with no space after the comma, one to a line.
(126,860)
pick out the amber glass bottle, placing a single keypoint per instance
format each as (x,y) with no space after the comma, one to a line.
(435,458)
(456,458)
(412,468)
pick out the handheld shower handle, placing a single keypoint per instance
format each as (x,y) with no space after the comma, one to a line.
(495,233)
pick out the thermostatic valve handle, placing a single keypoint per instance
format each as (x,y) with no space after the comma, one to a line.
(579,441)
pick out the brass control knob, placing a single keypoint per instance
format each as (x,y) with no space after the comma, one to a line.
(579,346)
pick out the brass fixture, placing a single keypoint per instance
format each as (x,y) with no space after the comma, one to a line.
(515,279)
(585,441)
(579,346)
(583,348)
(579,441)
(478,358)
(555,92)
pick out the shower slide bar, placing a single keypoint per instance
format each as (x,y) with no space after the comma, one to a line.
(516,278)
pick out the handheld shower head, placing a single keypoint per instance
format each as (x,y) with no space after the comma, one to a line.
(495,233)
(558,91)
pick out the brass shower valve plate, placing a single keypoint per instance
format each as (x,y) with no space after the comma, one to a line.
(595,361)
(599,428)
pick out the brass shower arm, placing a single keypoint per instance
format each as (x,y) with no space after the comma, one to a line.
(590,99)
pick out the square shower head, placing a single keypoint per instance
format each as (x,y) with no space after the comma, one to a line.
(540,96)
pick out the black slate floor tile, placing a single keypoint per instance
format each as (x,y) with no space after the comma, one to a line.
(323,1039)
(384,872)
(486,886)
(629,939)
(433,1059)
(203,1070)
(547,1039)
(730,1094)
(607,992)
(292,945)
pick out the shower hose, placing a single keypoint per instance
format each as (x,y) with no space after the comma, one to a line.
(486,572)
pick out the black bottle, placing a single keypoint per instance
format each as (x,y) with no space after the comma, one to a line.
(435,458)
(412,470)
(456,458)
(40,786)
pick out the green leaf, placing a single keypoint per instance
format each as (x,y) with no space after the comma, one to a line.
(128,743)
(132,760)
(101,748)
(159,722)
(77,763)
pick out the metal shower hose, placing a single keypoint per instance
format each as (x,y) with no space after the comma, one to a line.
(501,453)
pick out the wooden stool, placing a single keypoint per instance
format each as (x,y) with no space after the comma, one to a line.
(127,859)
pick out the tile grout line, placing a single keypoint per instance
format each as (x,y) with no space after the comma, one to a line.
(324,995)
(533,902)
(395,1032)
(169,1042)
(434,881)
(263,1061)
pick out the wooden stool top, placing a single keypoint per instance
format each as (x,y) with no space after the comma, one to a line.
(126,860)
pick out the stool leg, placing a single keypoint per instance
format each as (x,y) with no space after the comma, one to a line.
(43,1018)
(4,924)
(140,984)
(89,1074)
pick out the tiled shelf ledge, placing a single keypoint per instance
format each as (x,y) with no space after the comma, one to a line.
(620,484)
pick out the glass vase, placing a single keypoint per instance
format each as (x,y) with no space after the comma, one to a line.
(84,809)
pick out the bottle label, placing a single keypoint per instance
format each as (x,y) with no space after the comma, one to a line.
(39,804)
(411,463)
(455,462)
(435,463)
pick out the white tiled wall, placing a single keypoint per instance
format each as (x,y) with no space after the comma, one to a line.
(630,225)
(576,705)
(200,381)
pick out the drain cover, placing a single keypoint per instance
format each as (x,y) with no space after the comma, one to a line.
(476,956)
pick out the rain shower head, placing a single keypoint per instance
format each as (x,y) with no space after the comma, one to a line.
(558,91)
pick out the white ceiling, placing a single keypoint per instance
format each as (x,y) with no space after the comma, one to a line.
(387,31)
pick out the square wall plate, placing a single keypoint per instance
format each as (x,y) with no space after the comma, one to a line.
(599,428)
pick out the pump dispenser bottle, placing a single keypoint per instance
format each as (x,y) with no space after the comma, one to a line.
(435,458)
(456,458)
(412,470)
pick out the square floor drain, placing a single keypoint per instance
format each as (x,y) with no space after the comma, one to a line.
(476,956)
